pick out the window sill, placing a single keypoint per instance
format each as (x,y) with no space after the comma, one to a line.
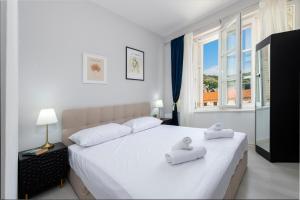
(224,110)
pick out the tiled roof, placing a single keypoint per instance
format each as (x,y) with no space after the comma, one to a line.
(210,96)
(213,96)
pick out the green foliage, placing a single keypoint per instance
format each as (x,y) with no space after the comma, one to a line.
(246,81)
(210,82)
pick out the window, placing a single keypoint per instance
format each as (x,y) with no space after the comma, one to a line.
(210,73)
(206,63)
(246,65)
(224,61)
(230,63)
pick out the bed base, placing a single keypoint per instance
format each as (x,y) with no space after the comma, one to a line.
(83,193)
(237,178)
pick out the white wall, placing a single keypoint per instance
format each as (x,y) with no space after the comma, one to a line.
(168,100)
(2,85)
(53,36)
(9,107)
(243,121)
(212,20)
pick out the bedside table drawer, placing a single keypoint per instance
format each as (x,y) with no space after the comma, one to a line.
(53,164)
(38,173)
(52,168)
(29,178)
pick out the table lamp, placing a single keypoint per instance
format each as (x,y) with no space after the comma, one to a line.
(159,104)
(46,117)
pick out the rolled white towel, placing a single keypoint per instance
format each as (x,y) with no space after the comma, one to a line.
(181,156)
(224,133)
(183,144)
(217,126)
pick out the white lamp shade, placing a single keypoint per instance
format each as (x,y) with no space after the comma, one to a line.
(47,116)
(159,103)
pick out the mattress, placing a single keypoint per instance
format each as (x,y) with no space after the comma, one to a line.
(134,166)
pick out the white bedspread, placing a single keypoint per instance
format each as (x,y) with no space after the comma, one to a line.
(134,166)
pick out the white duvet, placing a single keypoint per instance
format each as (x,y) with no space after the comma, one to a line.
(134,166)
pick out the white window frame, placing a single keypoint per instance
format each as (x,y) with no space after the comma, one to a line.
(249,105)
(249,21)
(223,58)
(204,39)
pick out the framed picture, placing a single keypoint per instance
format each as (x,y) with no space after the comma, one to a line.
(94,69)
(134,64)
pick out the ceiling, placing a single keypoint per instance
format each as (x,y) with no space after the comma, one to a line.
(164,17)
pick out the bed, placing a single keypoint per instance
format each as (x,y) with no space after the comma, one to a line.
(134,166)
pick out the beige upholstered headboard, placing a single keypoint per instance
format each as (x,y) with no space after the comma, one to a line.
(74,120)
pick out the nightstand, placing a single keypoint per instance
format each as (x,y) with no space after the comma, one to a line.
(38,173)
(167,121)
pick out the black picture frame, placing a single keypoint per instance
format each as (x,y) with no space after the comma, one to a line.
(126,54)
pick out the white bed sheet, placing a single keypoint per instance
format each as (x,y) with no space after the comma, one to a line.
(134,166)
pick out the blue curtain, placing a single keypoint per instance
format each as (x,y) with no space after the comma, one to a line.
(177,62)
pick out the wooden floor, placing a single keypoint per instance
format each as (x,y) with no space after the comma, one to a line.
(262,180)
(265,180)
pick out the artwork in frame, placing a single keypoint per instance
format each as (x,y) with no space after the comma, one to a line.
(134,64)
(94,69)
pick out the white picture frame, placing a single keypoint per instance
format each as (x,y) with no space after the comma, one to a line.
(94,69)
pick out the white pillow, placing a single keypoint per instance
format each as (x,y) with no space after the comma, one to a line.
(142,123)
(99,134)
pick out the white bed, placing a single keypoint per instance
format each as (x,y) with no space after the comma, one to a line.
(134,166)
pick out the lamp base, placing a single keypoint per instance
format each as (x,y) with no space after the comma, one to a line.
(159,115)
(47,145)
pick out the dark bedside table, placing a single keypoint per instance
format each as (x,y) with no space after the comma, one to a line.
(167,121)
(38,173)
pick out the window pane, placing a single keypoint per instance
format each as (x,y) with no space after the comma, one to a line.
(246,65)
(231,40)
(246,61)
(246,38)
(231,93)
(246,77)
(231,65)
(210,73)
(246,90)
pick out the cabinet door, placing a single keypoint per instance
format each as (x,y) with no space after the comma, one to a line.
(262,98)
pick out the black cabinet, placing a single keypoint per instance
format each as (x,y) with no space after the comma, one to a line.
(38,173)
(277,97)
(167,121)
